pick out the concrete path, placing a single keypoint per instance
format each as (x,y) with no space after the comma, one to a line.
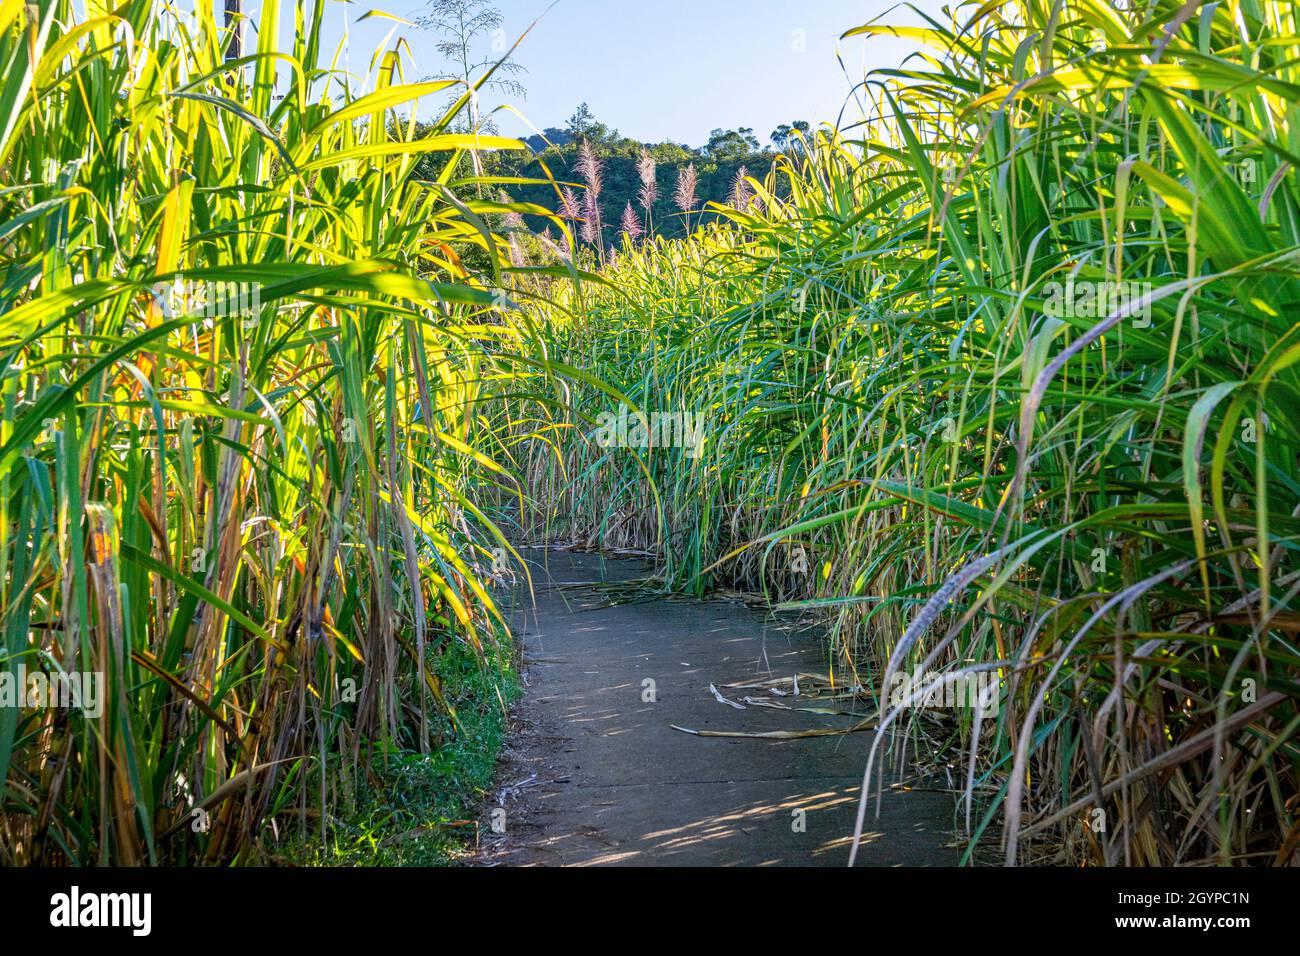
(595,774)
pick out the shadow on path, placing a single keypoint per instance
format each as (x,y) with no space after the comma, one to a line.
(595,774)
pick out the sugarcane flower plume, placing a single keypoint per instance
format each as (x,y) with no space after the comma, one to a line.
(687,181)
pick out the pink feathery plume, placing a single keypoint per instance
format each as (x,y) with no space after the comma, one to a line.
(649,191)
(511,219)
(590,167)
(741,194)
(590,217)
(514,224)
(684,194)
(631,224)
(548,240)
(570,208)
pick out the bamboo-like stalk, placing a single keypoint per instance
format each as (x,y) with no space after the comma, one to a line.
(254,526)
(904,368)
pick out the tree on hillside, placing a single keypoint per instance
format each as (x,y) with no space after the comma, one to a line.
(630,171)
(666,154)
(551,136)
(726,144)
(584,125)
(784,137)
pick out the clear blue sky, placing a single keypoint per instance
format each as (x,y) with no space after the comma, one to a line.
(665,69)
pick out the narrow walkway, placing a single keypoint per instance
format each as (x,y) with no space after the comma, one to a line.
(595,773)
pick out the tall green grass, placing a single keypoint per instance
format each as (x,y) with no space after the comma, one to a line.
(260,529)
(1099,505)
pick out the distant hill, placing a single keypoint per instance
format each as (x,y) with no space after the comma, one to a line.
(717,164)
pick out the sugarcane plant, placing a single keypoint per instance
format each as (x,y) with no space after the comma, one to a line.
(1002,381)
(244,355)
